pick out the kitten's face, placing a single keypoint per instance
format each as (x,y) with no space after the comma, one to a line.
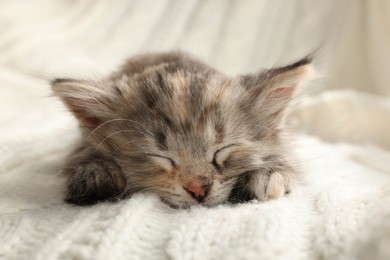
(181,129)
(189,137)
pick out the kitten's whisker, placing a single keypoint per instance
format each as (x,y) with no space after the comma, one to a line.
(109,121)
(117,132)
(118,119)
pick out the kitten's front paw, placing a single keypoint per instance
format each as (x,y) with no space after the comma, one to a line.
(93,181)
(268,187)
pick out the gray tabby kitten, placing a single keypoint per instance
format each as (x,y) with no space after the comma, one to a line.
(169,124)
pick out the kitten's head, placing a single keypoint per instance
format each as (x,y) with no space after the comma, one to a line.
(180,128)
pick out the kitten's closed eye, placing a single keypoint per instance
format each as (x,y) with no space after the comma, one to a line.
(221,155)
(164,161)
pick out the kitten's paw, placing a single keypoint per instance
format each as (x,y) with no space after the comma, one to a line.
(94,181)
(276,187)
(270,187)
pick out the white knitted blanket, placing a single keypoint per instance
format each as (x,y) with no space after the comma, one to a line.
(342,212)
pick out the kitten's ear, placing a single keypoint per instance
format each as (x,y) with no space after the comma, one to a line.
(89,102)
(273,89)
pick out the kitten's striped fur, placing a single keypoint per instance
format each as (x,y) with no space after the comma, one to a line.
(167,120)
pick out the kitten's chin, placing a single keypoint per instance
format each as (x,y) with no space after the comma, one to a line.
(178,205)
(188,204)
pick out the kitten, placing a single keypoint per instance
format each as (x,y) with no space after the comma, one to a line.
(169,124)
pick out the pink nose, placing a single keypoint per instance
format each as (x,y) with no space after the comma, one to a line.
(197,191)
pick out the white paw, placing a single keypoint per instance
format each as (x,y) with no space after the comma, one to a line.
(276,186)
(269,187)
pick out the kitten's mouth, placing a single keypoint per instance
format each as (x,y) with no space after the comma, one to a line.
(197,201)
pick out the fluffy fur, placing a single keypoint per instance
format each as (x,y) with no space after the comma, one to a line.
(166,121)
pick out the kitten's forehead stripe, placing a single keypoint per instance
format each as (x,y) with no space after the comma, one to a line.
(118,91)
(167,90)
(219,131)
(196,96)
(149,94)
(186,126)
(168,121)
(161,140)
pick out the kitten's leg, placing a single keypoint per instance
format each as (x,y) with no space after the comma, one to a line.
(92,178)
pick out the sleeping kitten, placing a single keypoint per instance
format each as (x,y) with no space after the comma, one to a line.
(169,124)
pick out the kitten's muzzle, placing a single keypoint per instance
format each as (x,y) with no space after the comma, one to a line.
(198,191)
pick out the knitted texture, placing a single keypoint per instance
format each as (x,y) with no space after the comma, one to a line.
(342,211)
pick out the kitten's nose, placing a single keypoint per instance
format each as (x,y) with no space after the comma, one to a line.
(198,191)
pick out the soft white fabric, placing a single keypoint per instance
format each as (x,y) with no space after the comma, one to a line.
(342,212)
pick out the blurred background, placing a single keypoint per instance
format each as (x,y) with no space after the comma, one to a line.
(42,39)
(57,37)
